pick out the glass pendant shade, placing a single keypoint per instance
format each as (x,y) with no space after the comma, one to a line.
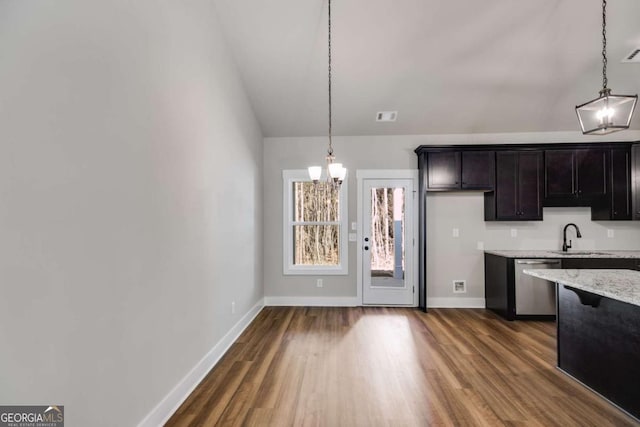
(607,113)
(314,173)
(334,170)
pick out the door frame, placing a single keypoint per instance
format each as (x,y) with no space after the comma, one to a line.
(361,176)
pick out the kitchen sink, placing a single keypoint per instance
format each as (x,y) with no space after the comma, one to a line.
(586,253)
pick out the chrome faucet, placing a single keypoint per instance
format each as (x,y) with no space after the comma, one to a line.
(565,247)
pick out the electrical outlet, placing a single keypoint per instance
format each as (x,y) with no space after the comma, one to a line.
(233,307)
(319,283)
(610,233)
(514,232)
(455,232)
(480,246)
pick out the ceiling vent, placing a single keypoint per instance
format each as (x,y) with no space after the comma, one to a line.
(386,116)
(633,56)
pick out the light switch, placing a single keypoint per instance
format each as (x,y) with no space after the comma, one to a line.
(481,246)
(456,232)
(610,233)
(354,226)
(353,237)
(514,232)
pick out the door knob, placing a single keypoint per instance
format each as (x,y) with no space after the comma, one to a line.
(366,239)
(366,248)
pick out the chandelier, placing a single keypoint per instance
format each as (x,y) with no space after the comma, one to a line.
(608,113)
(335,171)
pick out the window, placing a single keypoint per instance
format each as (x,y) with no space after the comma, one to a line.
(315,225)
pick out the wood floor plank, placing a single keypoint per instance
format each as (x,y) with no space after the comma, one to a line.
(374,366)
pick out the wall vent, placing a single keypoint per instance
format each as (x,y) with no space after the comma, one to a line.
(459,286)
(633,56)
(386,116)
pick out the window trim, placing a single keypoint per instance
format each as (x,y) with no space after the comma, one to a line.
(290,176)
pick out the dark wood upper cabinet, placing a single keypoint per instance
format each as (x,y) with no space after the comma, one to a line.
(621,184)
(478,170)
(518,189)
(460,170)
(635,174)
(443,170)
(559,177)
(575,177)
(520,179)
(591,172)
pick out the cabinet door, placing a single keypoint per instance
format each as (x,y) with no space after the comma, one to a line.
(620,184)
(478,170)
(591,173)
(635,173)
(506,197)
(559,174)
(530,185)
(443,170)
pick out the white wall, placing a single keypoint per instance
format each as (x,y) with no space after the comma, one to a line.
(130,202)
(448,258)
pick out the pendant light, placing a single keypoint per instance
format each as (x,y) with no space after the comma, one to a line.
(335,171)
(608,113)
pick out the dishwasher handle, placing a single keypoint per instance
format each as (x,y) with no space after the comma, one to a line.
(538,262)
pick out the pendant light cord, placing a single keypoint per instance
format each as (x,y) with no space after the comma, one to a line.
(330,151)
(604,44)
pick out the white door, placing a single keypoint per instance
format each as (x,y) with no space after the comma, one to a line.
(387,242)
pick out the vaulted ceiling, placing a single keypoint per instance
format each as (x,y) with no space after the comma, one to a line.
(446,66)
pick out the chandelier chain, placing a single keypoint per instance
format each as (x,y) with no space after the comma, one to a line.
(604,44)
(330,151)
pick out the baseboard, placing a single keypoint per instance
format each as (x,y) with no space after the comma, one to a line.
(172,401)
(455,302)
(312,301)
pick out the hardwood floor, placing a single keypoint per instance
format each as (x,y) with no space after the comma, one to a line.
(360,366)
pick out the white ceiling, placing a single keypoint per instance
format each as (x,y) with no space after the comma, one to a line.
(447,66)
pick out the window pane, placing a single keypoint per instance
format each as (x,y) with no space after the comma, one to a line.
(319,202)
(316,245)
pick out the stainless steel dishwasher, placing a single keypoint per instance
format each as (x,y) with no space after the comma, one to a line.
(535,296)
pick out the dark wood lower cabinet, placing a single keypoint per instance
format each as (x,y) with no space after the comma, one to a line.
(499,285)
(599,345)
(500,280)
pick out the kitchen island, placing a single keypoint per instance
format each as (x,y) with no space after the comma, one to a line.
(598,323)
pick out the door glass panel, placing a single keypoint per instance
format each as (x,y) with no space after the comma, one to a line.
(387,237)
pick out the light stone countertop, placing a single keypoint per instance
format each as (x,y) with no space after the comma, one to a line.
(588,253)
(620,285)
